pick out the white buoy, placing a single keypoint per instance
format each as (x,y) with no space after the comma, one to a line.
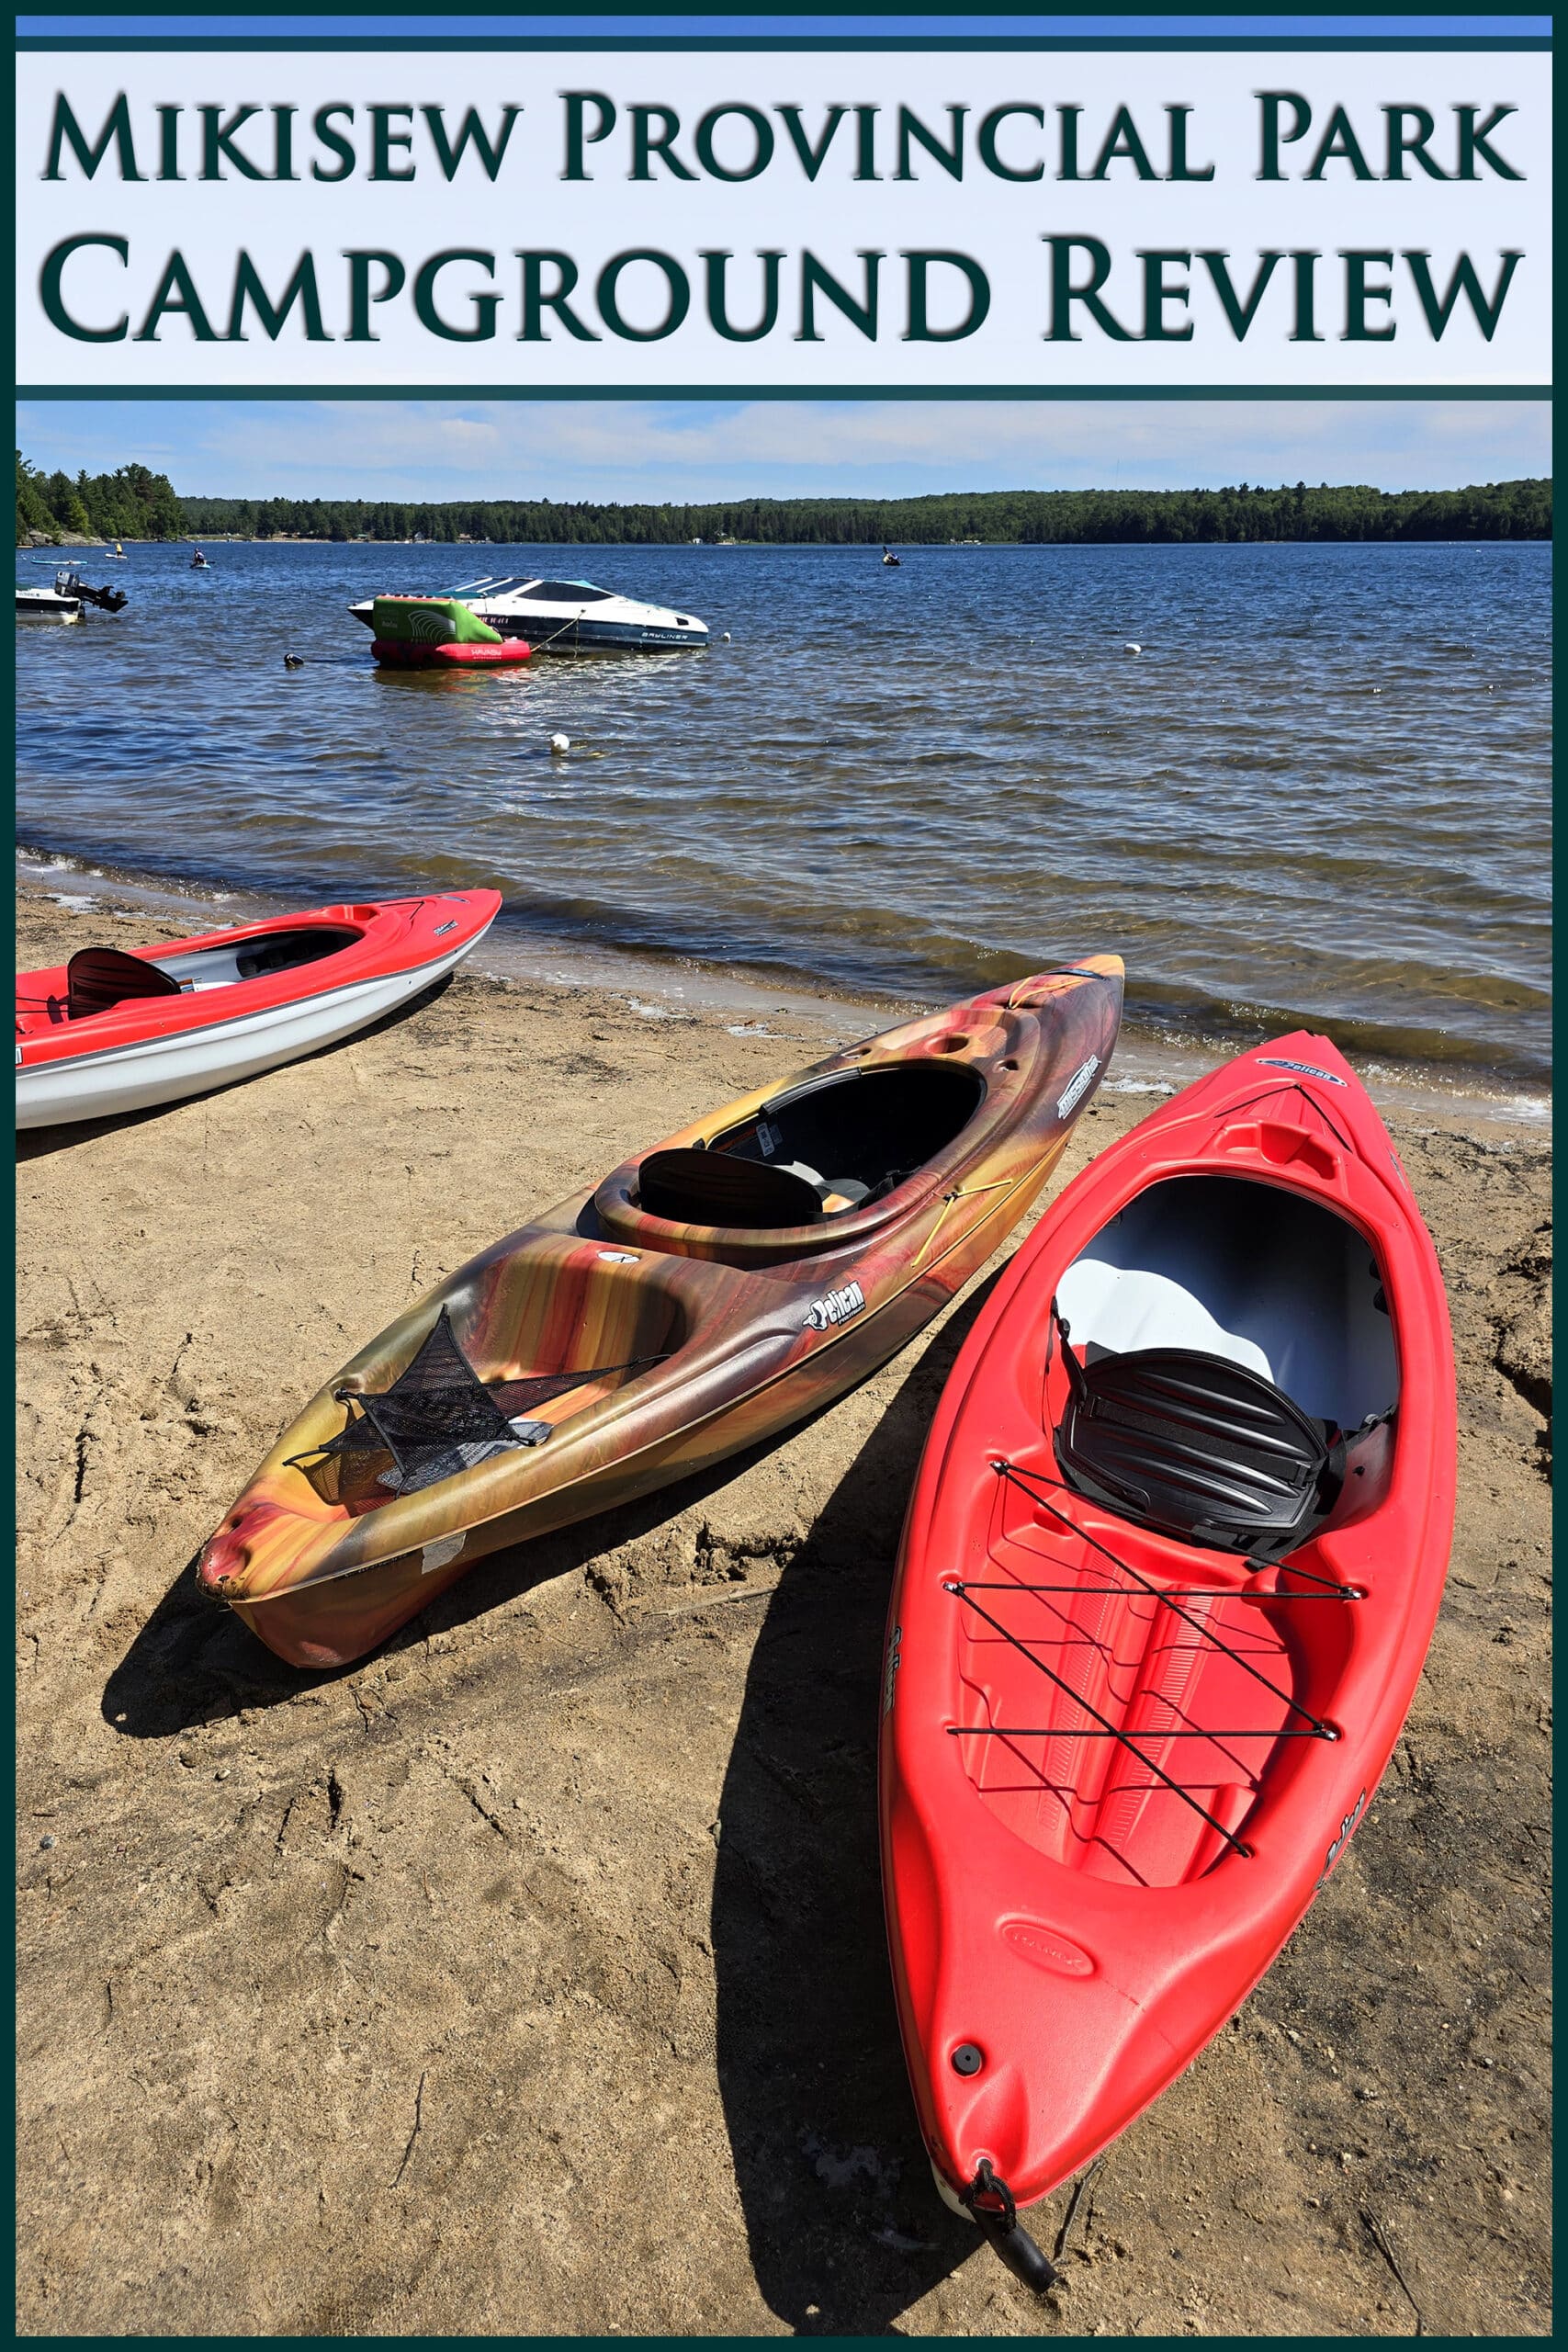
(560,743)
(1132,649)
(725,638)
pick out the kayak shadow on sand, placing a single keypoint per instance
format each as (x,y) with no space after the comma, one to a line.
(845,2229)
(845,2225)
(42,1143)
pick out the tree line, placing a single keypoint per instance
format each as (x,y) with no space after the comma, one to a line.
(135,504)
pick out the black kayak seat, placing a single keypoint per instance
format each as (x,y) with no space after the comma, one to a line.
(690,1186)
(96,979)
(1199,1447)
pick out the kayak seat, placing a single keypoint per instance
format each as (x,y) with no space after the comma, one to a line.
(100,977)
(1199,1447)
(856,1135)
(834,1192)
(694,1187)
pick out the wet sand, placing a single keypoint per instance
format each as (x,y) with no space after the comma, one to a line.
(528,1978)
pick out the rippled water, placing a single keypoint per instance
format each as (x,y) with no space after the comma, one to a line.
(1319,791)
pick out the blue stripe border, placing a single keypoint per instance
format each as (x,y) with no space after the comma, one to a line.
(384,43)
(743,392)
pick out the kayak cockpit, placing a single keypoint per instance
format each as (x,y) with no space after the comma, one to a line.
(258,958)
(1223,1380)
(102,980)
(820,1149)
(1250,1271)
(1224,1342)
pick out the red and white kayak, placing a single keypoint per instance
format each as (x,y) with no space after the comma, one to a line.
(116,1030)
(1171,1570)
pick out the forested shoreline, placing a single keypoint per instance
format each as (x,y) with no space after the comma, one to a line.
(136,503)
(133,503)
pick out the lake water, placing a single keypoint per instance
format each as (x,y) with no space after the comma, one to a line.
(1320,792)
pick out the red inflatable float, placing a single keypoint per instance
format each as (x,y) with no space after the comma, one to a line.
(394,655)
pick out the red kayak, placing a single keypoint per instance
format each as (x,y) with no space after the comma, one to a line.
(116,1030)
(1171,1570)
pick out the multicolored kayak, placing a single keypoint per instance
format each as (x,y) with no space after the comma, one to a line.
(1171,1570)
(116,1030)
(707,1294)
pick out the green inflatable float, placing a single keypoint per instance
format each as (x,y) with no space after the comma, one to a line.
(431,632)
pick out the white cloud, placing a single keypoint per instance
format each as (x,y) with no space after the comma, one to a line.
(616,449)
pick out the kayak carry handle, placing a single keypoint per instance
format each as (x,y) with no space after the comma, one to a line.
(990,2202)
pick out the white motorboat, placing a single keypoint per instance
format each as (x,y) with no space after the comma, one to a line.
(61,602)
(567,616)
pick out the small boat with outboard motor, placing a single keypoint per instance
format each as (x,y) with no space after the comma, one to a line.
(67,599)
(60,603)
(557,617)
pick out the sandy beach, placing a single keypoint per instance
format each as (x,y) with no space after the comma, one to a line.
(529,1977)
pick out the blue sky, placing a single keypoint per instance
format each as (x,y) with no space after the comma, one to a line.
(702,449)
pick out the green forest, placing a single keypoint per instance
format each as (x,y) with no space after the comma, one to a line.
(135,504)
(130,504)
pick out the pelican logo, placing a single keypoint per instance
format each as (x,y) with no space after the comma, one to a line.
(1339,1843)
(1307,1070)
(443,928)
(1046,1948)
(837,1307)
(1077,1087)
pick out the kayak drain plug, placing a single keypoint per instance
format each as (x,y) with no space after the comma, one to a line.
(967,2059)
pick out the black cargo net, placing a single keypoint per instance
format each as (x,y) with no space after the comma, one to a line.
(438,1418)
(1307,1584)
